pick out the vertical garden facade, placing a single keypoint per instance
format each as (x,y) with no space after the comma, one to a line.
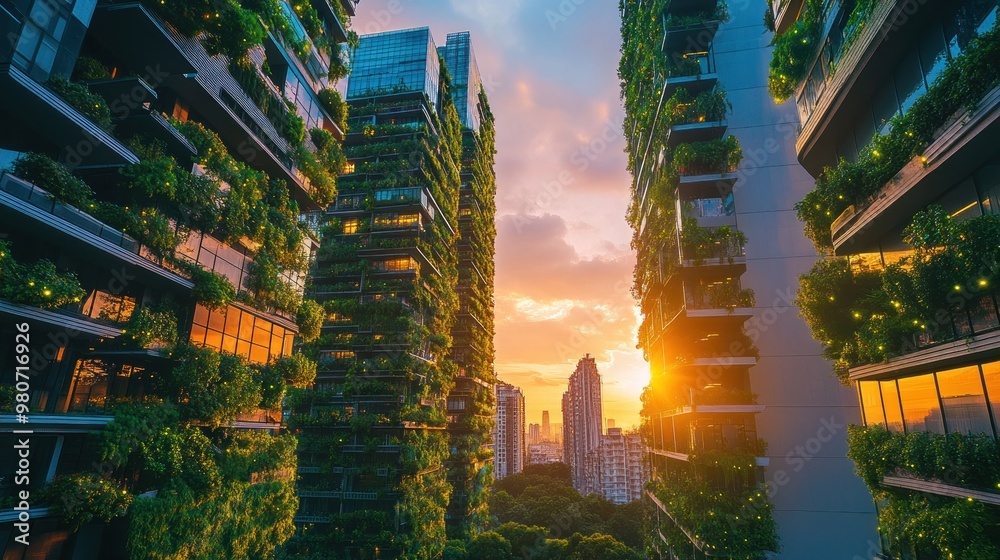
(381,453)
(471,401)
(740,396)
(698,411)
(898,111)
(158,163)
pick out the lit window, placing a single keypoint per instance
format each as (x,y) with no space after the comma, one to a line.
(351,226)
(396,265)
(348,168)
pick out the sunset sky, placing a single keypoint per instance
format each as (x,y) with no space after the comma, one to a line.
(564,266)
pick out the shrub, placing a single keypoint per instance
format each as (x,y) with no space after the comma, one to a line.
(211,289)
(78,95)
(81,498)
(52,176)
(310,320)
(297,370)
(335,106)
(153,326)
(38,284)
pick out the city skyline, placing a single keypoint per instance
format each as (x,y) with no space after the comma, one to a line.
(549,110)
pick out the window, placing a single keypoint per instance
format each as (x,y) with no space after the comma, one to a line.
(871,402)
(239,332)
(97,383)
(921,408)
(963,401)
(396,265)
(991,375)
(396,221)
(409,194)
(38,43)
(114,308)
(890,400)
(351,226)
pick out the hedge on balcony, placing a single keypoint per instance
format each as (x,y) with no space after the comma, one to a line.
(684,108)
(960,86)
(211,387)
(153,326)
(711,156)
(79,96)
(948,526)
(53,177)
(83,498)
(866,316)
(794,50)
(37,284)
(737,525)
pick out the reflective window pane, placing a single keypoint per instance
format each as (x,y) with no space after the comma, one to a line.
(871,402)
(890,398)
(963,400)
(921,410)
(991,374)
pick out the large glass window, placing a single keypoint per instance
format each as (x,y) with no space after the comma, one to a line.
(921,408)
(38,43)
(235,331)
(890,400)
(871,402)
(963,401)
(991,375)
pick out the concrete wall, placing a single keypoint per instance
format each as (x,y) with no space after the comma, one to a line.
(823,510)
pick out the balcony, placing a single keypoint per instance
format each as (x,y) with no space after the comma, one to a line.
(824,98)
(26,207)
(680,38)
(141,119)
(785,13)
(206,84)
(121,27)
(711,185)
(964,145)
(980,347)
(695,132)
(56,423)
(37,119)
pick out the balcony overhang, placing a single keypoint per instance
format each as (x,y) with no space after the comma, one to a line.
(55,423)
(23,207)
(859,73)
(785,13)
(58,320)
(969,142)
(724,409)
(693,84)
(981,347)
(720,361)
(122,28)
(37,119)
(941,489)
(695,132)
(691,187)
(696,36)
(702,323)
(759,461)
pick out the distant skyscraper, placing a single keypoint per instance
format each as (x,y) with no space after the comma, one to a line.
(509,435)
(581,408)
(534,433)
(546,430)
(620,470)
